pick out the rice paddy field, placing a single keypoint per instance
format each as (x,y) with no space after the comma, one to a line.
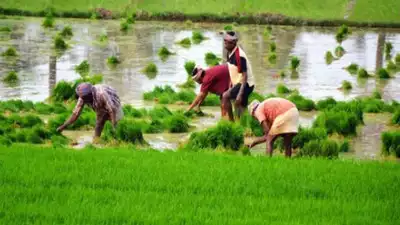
(41,185)
(162,165)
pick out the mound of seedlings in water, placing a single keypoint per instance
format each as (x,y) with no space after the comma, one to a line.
(177,123)
(272,47)
(329,58)
(188,23)
(342,33)
(66,32)
(59,141)
(189,84)
(352,68)
(256,96)
(391,143)
(340,122)
(87,119)
(272,57)
(150,70)
(11,77)
(376,94)
(186,42)
(344,146)
(103,38)
(211,100)
(397,59)
(5,29)
(48,21)
(63,91)
(189,67)
(320,148)
(129,111)
(362,73)
(127,130)
(83,68)
(339,51)
(228,27)
(10,52)
(124,26)
(306,135)
(388,50)
(373,105)
(225,135)
(211,59)
(130,19)
(59,43)
(113,60)
(198,37)
(383,74)
(282,74)
(46,109)
(16,105)
(282,89)
(301,102)
(164,53)
(294,63)
(391,67)
(396,117)
(346,85)
(326,103)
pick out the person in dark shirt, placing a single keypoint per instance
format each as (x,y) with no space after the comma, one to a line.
(240,88)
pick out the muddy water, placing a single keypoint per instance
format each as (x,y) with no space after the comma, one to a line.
(40,69)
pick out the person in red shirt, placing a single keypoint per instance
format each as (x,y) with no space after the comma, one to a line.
(278,117)
(215,80)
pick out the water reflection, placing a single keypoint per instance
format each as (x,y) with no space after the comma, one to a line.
(139,46)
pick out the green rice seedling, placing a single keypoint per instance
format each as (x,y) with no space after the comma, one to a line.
(342,34)
(397,59)
(396,118)
(189,66)
(189,84)
(95,79)
(362,73)
(124,26)
(391,66)
(83,68)
(294,63)
(249,122)
(186,42)
(129,111)
(383,74)
(130,20)
(228,27)
(282,89)
(301,102)
(158,91)
(42,132)
(113,60)
(128,131)
(11,77)
(164,53)
(150,70)
(272,47)
(320,148)
(326,103)
(346,85)
(272,58)
(66,32)
(211,100)
(31,120)
(48,21)
(186,96)
(388,50)
(352,107)
(344,146)
(188,23)
(10,52)
(352,68)
(282,74)
(103,38)
(59,43)
(63,91)
(177,124)
(211,59)
(391,143)
(159,112)
(256,96)
(225,134)
(5,29)
(373,105)
(59,141)
(376,94)
(306,135)
(329,58)
(33,138)
(198,37)
(21,135)
(339,122)
(339,51)
(155,126)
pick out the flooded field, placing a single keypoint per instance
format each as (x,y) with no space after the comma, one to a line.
(40,68)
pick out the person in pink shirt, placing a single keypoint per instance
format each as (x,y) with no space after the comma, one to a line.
(279,118)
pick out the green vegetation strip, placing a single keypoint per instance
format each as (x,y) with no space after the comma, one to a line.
(286,12)
(120,186)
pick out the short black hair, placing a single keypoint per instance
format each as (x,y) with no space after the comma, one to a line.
(195,70)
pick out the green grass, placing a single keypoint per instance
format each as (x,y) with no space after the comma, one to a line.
(120,186)
(376,11)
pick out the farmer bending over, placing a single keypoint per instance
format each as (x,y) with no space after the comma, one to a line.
(102,99)
(278,118)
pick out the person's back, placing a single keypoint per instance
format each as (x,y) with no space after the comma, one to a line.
(105,98)
(271,108)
